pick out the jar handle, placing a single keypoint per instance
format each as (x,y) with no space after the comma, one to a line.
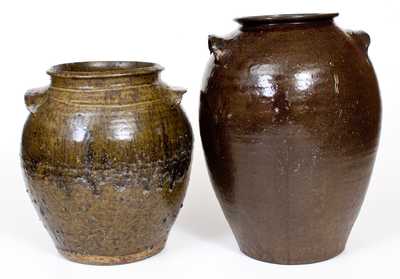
(217,47)
(35,97)
(361,38)
(175,94)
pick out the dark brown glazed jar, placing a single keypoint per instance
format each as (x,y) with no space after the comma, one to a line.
(106,154)
(290,118)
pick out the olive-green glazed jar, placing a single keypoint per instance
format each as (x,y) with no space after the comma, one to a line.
(106,154)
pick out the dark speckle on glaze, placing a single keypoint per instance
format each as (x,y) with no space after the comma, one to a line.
(106,153)
(289,119)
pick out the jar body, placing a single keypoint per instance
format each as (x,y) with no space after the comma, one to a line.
(107,173)
(290,120)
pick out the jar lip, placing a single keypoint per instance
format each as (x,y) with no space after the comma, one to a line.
(103,69)
(285,18)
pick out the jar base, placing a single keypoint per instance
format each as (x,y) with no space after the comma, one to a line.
(306,259)
(112,260)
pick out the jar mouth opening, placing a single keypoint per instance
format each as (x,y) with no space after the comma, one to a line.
(285,18)
(103,69)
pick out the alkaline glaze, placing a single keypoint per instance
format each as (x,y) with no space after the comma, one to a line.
(290,117)
(106,153)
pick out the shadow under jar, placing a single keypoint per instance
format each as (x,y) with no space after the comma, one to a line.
(106,153)
(289,118)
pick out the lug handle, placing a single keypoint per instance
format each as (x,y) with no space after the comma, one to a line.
(35,97)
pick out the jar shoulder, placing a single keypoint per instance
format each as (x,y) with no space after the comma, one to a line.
(320,63)
(286,51)
(65,134)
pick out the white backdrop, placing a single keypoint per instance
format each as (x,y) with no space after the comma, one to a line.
(38,34)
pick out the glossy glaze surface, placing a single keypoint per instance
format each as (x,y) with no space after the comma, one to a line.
(290,118)
(106,153)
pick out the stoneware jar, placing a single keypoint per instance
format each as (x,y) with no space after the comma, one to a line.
(290,117)
(106,154)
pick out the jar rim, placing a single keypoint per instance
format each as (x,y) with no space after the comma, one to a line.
(285,18)
(103,69)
